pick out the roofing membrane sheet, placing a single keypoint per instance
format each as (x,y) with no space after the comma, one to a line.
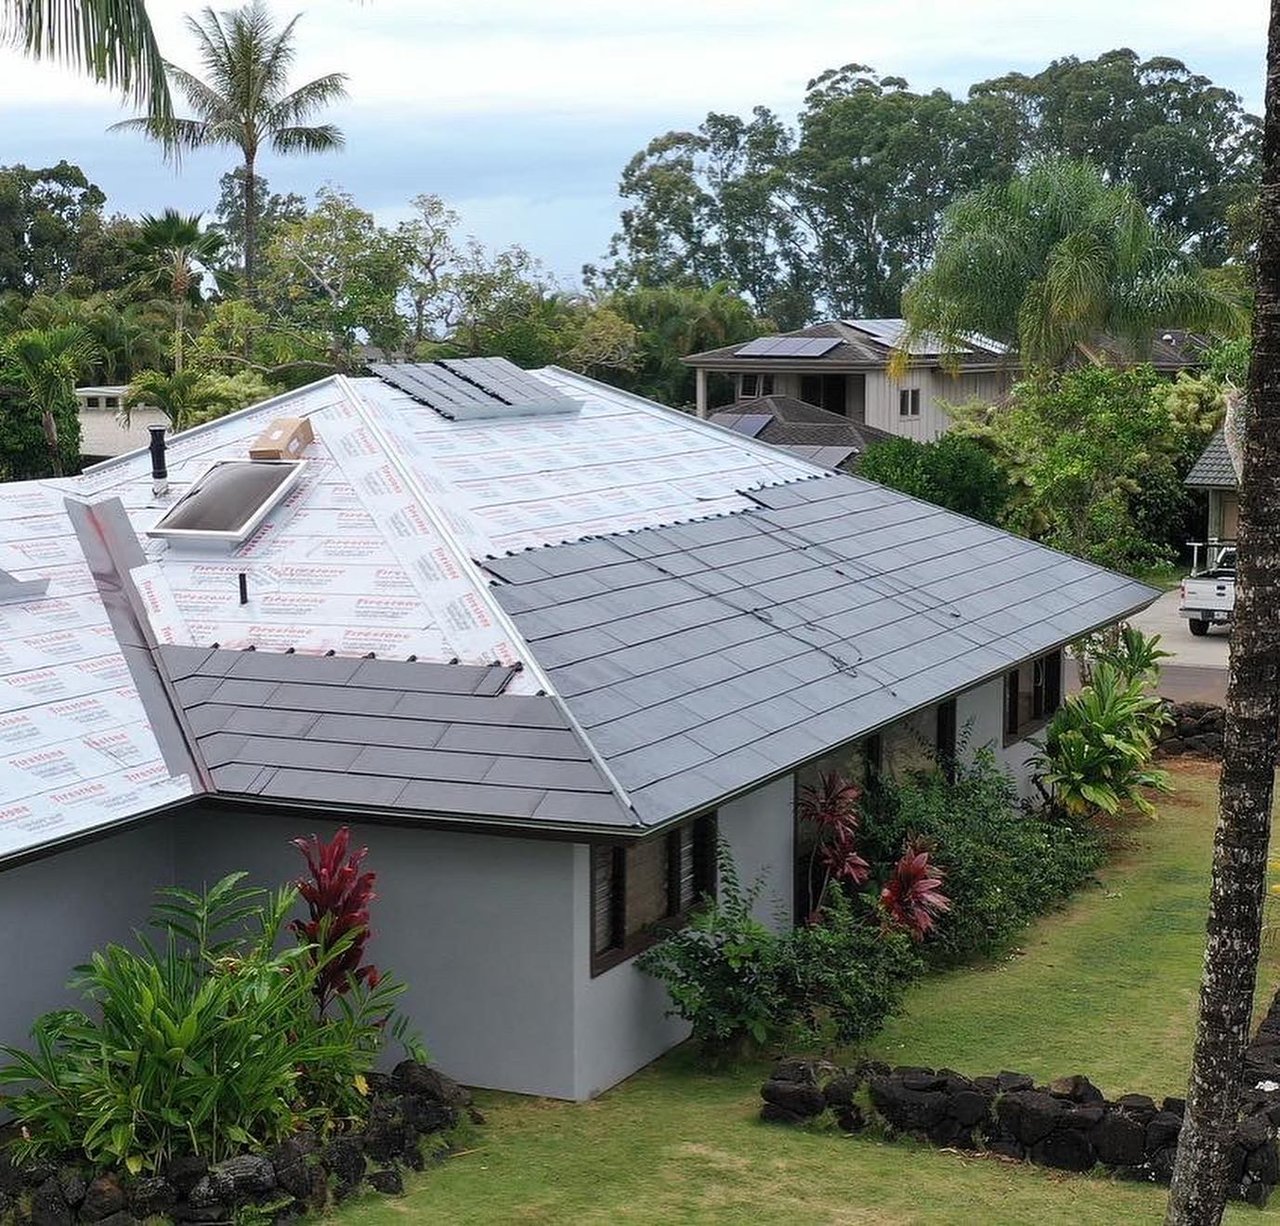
(76,746)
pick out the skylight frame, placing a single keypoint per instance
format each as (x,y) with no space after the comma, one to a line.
(229,536)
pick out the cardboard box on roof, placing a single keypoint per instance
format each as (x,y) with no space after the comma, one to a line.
(286,438)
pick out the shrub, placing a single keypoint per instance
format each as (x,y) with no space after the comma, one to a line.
(843,976)
(741,985)
(1003,865)
(1095,756)
(953,471)
(720,969)
(203,1043)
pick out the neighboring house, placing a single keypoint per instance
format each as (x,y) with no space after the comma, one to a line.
(103,433)
(540,642)
(1214,473)
(843,366)
(805,430)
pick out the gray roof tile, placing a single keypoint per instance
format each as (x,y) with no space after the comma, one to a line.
(1213,469)
(731,649)
(412,738)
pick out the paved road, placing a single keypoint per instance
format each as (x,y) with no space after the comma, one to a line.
(1198,667)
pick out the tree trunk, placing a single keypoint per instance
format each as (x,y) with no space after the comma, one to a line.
(49,424)
(1199,1189)
(250,225)
(179,318)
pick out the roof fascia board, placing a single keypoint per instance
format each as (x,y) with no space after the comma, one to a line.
(207,427)
(481,582)
(835,365)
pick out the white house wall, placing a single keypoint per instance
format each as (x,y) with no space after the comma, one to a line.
(980,722)
(620,1015)
(480,928)
(55,911)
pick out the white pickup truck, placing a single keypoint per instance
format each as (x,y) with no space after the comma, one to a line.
(1209,596)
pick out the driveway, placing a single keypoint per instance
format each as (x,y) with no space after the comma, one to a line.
(1197,670)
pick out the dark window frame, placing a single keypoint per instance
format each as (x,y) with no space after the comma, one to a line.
(624,946)
(945,739)
(751,382)
(1042,699)
(909,402)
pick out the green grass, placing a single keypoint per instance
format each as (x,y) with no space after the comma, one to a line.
(1164,577)
(1105,987)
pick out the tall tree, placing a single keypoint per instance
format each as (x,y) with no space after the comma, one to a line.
(244,101)
(1054,257)
(1185,146)
(44,365)
(46,218)
(174,254)
(271,211)
(1238,888)
(110,40)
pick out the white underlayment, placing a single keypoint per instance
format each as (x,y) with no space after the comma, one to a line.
(375,550)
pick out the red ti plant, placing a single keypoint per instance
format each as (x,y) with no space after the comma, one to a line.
(338,895)
(832,806)
(913,894)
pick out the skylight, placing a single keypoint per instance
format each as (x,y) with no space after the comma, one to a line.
(230,501)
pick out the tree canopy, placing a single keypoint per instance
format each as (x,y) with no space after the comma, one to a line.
(833,214)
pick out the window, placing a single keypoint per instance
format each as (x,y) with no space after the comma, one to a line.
(112,402)
(1032,693)
(945,741)
(909,402)
(91,402)
(637,891)
(755,385)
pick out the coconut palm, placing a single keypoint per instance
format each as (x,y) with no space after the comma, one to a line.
(174,254)
(1240,847)
(244,100)
(1053,258)
(111,40)
(45,364)
(184,397)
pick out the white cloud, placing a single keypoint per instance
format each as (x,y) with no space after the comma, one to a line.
(528,110)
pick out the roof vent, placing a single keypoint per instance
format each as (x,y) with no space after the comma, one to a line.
(15,591)
(229,502)
(476,389)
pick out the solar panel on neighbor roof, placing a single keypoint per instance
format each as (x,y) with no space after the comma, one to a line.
(230,500)
(787,347)
(749,424)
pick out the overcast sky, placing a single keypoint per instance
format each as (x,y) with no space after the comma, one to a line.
(522,112)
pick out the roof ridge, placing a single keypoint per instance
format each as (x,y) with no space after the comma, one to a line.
(480,582)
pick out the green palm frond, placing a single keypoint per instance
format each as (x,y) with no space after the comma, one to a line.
(111,40)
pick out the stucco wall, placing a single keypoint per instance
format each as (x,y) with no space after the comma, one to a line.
(619,1015)
(479,927)
(980,721)
(54,912)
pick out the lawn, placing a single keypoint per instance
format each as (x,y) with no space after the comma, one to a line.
(1104,987)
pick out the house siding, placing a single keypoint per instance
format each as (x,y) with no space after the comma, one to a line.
(479,928)
(620,1015)
(980,723)
(55,911)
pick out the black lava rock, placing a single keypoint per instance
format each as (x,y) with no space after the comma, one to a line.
(1028,1115)
(841,1091)
(387,1181)
(797,1097)
(1067,1150)
(410,1077)
(909,1110)
(1119,1140)
(152,1196)
(184,1173)
(1162,1131)
(345,1159)
(1006,1082)
(103,1197)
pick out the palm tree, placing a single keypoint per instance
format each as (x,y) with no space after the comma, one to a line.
(184,397)
(1238,888)
(173,255)
(1052,258)
(45,365)
(244,100)
(111,40)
